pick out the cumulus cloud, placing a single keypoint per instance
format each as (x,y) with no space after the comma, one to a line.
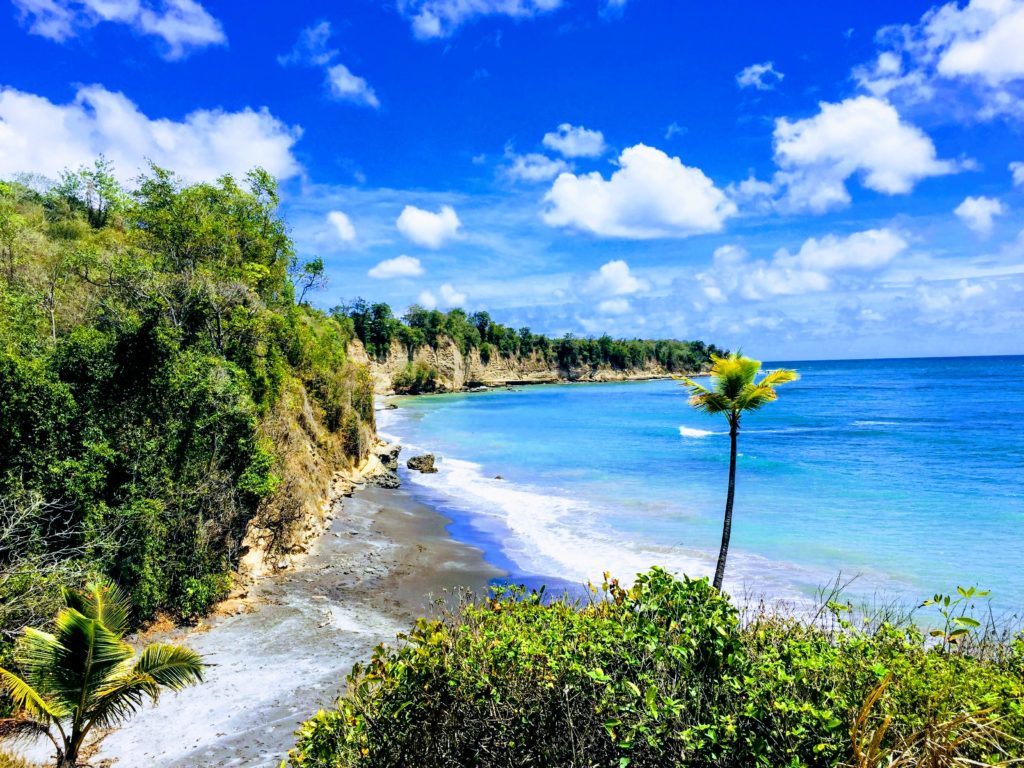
(575,141)
(183,25)
(400,266)
(763,77)
(449,297)
(535,167)
(615,279)
(431,19)
(1017,172)
(430,230)
(37,135)
(861,136)
(342,226)
(966,54)
(811,269)
(978,213)
(349,87)
(650,195)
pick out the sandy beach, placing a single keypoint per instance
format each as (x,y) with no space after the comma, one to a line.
(288,650)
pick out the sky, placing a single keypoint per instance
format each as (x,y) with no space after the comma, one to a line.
(799,180)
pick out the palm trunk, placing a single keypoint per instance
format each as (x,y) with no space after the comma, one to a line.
(723,551)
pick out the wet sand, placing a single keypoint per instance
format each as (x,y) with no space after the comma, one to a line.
(287,654)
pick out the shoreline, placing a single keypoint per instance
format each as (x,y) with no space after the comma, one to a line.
(481,387)
(286,651)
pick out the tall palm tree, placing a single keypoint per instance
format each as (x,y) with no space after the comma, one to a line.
(734,392)
(84,675)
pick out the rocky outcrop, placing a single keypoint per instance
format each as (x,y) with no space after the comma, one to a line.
(387,476)
(457,372)
(424,463)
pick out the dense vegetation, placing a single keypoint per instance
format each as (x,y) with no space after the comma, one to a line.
(667,674)
(152,353)
(376,326)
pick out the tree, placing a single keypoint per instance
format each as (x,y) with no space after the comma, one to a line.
(310,277)
(85,675)
(734,393)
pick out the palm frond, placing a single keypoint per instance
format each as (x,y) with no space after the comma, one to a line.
(88,656)
(694,387)
(731,374)
(158,667)
(711,402)
(23,728)
(171,666)
(104,601)
(27,699)
(779,376)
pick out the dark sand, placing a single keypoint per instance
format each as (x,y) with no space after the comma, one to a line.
(287,654)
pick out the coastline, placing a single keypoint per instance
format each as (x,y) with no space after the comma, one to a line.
(286,651)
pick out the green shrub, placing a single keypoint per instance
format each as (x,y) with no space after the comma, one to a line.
(416,378)
(662,674)
(199,595)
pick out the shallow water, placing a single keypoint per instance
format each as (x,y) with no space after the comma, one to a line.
(906,473)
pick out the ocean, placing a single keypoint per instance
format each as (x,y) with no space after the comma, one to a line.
(905,474)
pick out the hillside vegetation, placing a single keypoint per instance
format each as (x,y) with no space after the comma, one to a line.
(488,349)
(162,389)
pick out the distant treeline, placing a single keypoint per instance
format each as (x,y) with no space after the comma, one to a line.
(377,327)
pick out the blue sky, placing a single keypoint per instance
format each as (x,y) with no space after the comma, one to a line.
(806,180)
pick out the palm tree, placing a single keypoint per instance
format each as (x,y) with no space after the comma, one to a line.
(85,675)
(734,392)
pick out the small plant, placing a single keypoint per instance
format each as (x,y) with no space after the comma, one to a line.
(957,625)
(84,675)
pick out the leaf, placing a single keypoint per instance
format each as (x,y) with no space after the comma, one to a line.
(967,621)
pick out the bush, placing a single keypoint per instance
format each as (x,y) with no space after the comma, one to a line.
(416,378)
(662,674)
(199,595)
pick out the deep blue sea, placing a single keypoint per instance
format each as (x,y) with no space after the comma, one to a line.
(908,474)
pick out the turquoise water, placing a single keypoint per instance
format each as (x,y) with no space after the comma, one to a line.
(904,473)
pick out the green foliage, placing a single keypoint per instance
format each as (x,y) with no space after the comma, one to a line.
(661,674)
(199,595)
(146,339)
(85,675)
(416,378)
(376,327)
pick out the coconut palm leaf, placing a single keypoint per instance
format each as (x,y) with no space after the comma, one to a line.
(28,700)
(87,655)
(102,600)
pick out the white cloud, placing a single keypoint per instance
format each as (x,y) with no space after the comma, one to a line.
(400,266)
(39,136)
(862,135)
(311,49)
(811,269)
(966,55)
(441,18)
(615,279)
(431,230)
(535,167)
(342,226)
(183,25)
(614,307)
(427,300)
(1017,170)
(451,297)
(575,141)
(650,195)
(763,77)
(348,87)
(978,213)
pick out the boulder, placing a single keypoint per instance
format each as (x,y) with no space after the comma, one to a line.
(386,479)
(424,463)
(388,455)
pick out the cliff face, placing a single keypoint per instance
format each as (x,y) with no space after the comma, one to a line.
(457,371)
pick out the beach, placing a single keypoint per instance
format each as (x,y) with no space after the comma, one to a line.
(285,651)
